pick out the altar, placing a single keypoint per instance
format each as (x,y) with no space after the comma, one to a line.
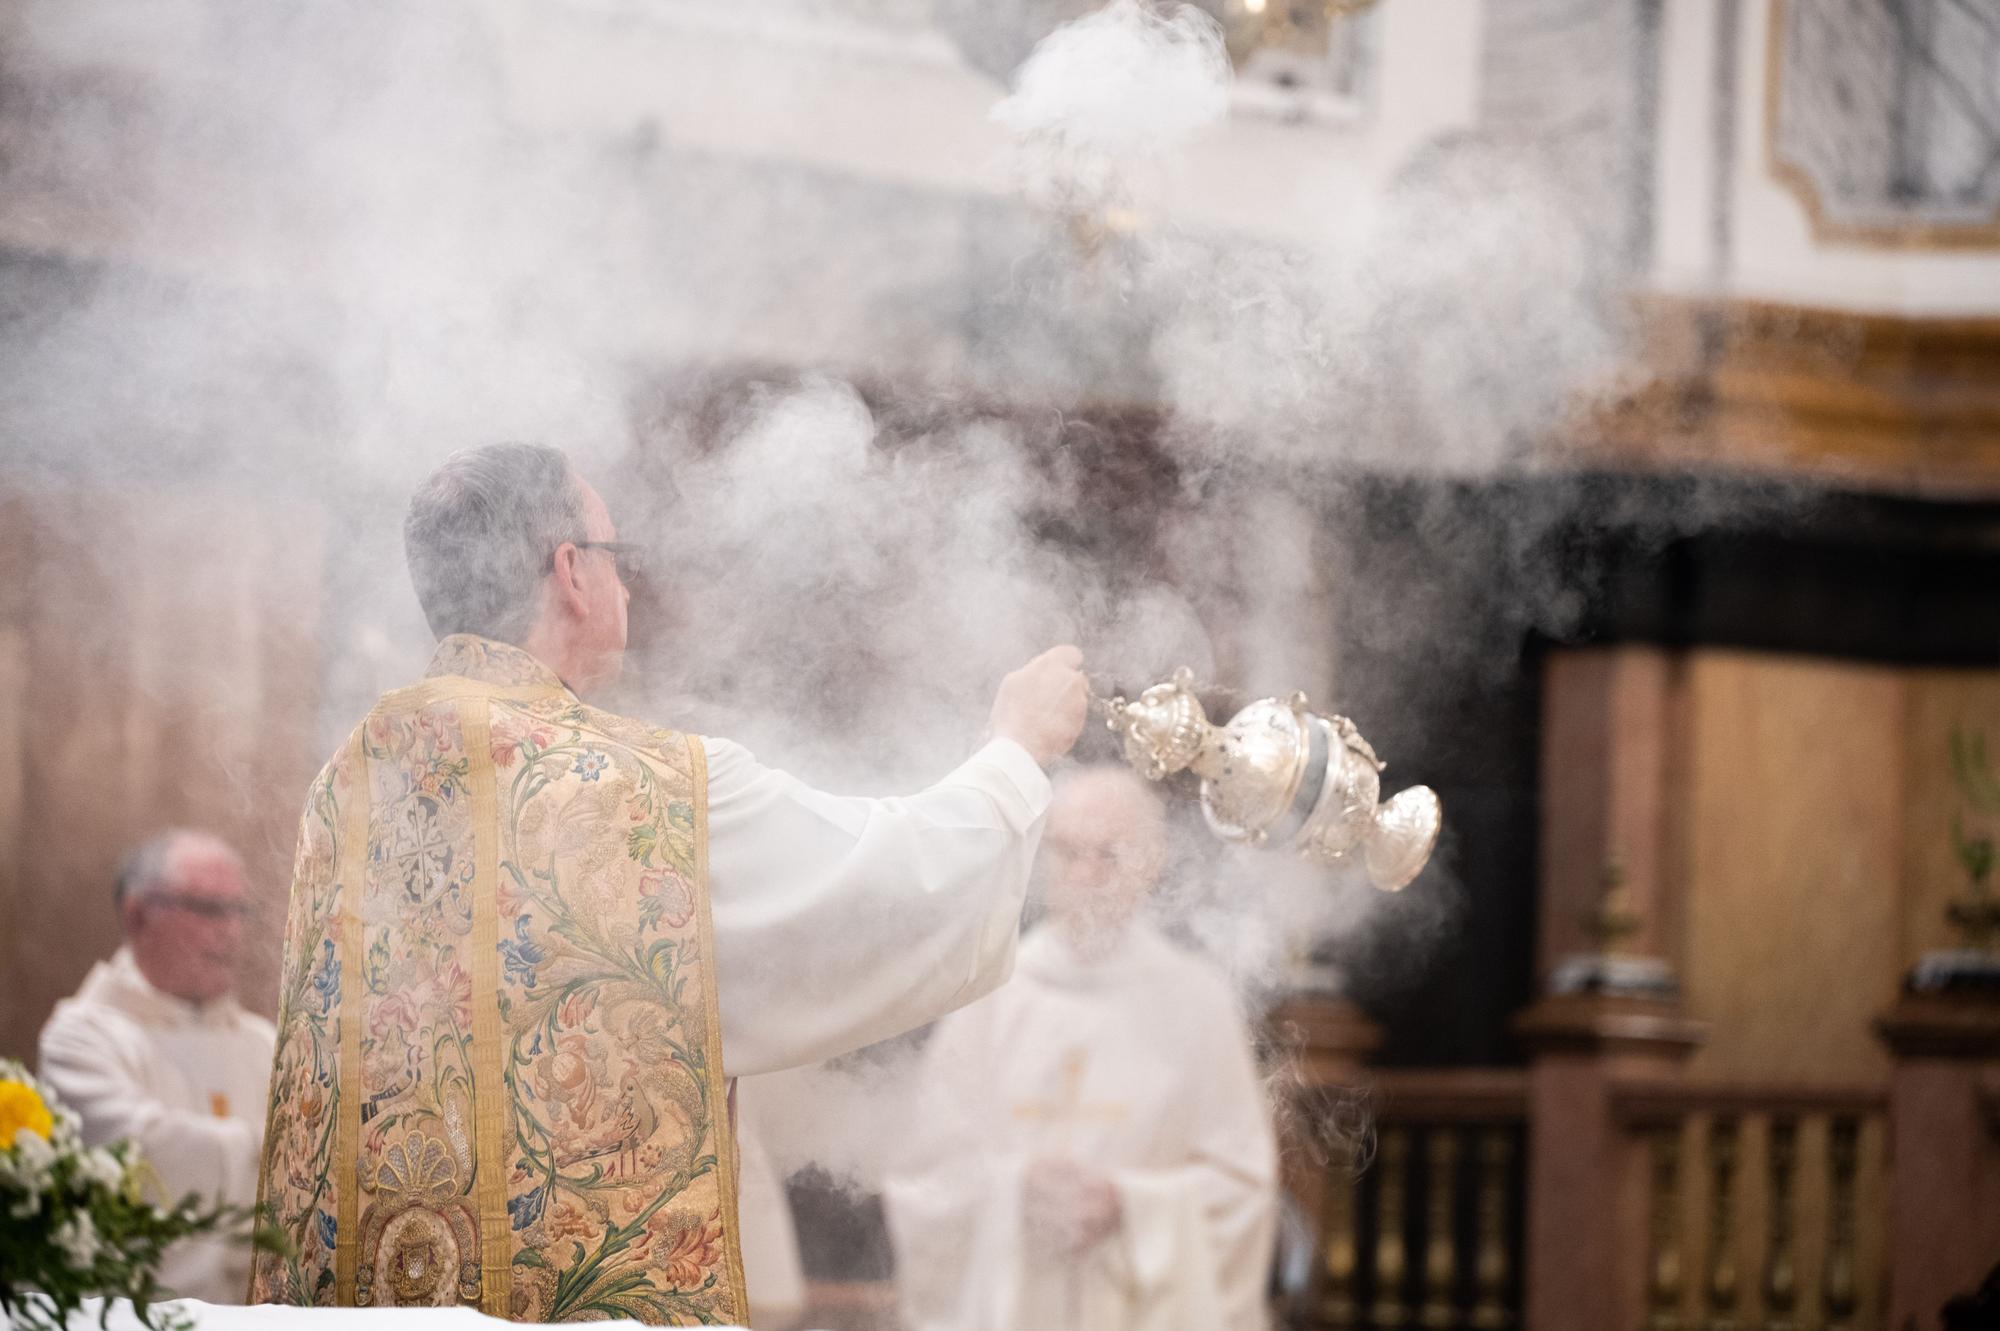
(276,1317)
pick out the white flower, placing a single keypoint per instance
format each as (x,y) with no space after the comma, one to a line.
(101,1168)
(76,1237)
(33,1158)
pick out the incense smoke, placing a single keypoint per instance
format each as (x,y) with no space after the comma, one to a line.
(299,253)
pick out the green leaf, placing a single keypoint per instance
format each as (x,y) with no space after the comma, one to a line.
(660,960)
(378,964)
(1971,770)
(1975,854)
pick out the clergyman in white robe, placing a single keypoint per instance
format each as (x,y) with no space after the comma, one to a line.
(153,1047)
(1092,1148)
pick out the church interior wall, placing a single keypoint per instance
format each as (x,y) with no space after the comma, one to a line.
(856,217)
(1693,137)
(1777,254)
(1729,221)
(1844,639)
(835,94)
(916,302)
(164,650)
(1884,597)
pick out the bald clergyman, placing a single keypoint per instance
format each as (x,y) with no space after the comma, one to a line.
(1091,1149)
(530,940)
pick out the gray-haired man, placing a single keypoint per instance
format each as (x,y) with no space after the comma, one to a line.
(530,939)
(155,1048)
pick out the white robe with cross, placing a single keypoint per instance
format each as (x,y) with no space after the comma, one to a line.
(1137,1065)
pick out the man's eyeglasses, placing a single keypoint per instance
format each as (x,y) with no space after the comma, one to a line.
(208,908)
(629,556)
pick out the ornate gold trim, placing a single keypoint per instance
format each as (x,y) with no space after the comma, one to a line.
(1912,235)
(267,1143)
(352,868)
(721,1088)
(489,1105)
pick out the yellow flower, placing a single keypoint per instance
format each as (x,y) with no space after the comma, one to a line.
(21,1108)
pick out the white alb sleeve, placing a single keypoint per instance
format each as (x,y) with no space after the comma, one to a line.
(840,921)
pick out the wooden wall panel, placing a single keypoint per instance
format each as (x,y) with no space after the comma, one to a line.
(168,661)
(1793,856)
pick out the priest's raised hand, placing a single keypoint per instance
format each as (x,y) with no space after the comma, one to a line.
(1042,705)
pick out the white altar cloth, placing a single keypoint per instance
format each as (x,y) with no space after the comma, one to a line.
(274,1317)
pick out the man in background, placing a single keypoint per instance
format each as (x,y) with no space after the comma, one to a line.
(155,1047)
(1092,1148)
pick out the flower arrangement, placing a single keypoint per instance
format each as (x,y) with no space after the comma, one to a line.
(75,1222)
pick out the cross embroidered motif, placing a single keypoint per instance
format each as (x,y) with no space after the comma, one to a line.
(1068,1109)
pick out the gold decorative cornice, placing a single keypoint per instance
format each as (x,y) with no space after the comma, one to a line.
(1883,402)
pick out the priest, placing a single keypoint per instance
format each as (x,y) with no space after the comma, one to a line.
(531,940)
(1092,1150)
(156,1048)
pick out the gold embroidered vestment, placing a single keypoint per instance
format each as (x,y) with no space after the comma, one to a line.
(498,1079)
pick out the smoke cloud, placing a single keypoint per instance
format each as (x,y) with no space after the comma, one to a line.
(1110,92)
(304,250)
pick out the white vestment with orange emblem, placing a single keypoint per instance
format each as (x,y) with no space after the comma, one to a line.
(186,1082)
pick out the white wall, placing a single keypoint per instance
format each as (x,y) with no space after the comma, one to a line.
(1772,252)
(898,105)
(1685,254)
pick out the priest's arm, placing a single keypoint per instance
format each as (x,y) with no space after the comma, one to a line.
(841,921)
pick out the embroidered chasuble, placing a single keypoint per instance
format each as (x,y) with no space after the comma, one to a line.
(498,1079)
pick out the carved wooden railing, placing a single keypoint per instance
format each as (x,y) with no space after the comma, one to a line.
(1762,1205)
(1598,1189)
(1750,1208)
(1426,1232)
